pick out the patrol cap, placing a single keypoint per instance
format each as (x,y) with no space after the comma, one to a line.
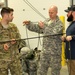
(71,8)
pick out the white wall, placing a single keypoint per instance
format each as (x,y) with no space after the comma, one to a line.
(24,12)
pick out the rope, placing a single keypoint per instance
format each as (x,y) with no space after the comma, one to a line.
(27,38)
(32,7)
(39,41)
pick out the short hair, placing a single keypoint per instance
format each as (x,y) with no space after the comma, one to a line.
(6,10)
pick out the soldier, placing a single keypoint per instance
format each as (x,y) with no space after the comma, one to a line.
(51,54)
(9,53)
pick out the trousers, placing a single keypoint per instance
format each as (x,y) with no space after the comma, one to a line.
(71,67)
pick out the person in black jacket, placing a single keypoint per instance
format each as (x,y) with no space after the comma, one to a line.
(69,39)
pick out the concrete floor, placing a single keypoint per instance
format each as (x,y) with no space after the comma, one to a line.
(64,71)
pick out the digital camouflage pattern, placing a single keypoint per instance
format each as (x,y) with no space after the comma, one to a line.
(52,45)
(29,60)
(9,59)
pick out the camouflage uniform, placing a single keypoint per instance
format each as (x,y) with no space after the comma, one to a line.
(51,55)
(9,59)
(29,60)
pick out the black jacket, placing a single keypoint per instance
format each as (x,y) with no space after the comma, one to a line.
(70,46)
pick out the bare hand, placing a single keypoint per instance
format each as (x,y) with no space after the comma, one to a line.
(13,41)
(41,24)
(63,37)
(26,22)
(69,38)
(6,46)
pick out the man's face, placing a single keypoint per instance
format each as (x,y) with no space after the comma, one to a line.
(69,16)
(10,17)
(52,13)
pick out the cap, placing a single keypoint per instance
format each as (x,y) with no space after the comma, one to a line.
(71,8)
(68,9)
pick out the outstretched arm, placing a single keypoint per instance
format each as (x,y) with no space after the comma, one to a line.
(33,27)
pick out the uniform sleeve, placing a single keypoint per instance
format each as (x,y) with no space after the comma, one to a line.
(1,46)
(15,31)
(18,36)
(1,36)
(35,28)
(21,43)
(54,28)
(58,29)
